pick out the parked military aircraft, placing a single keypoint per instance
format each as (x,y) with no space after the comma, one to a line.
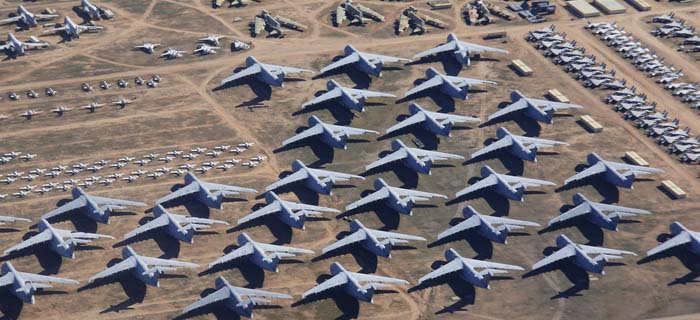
(368,63)
(333,135)
(146,269)
(62,242)
(492,228)
(241,301)
(270,74)
(27,18)
(93,207)
(476,272)
(208,193)
(539,110)
(257,253)
(73,30)
(581,255)
(597,213)
(375,241)
(18,47)
(418,160)
(399,199)
(351,283)
(353,99)
(510,187)
(290,213)
(456,87)
(616,173)
(682,237)
(460,50)
(177,226)
(436,122)
(273,25)
(23,285)
(147,46)
(355,13)
(317,180)
(520,146)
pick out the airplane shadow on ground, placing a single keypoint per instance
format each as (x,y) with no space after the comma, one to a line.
(465,291)
(408,177)
(386,215)
(281,231)
(530,127)
(499,204)
(218,309)
(11,306)
(192,205)
(592,232)
(689,260)
(359,78)
(514,165)
(610,192)
(262,91)
(79,221)
(348,305)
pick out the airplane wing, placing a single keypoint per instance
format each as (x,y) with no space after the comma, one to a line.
(4,219)
(31,277)
(268,209)
(186,190)
(527,182)
(461,82)
(42,237)
(435,155)
(159,222)
(218,295)
(601,250)
(368,93)
(274,248)
(339,16)
(302,206)
(488,265)
(351,239)
(481,184)
(374,196)
(607,207)
(328,95)
(414,119)
(452,117)
(472,47)
(332,283)
(471,222)
(577,211)
(6,280)
(100,201)
(167,263)
(294,177)
(335,176)
(539,143)
(499,144)
(308,133)
(450,46)
(513,107)
(384,59)
(450,267)
(395,235)
(597,168)
(376,279)
(243,251)
(10,20)
(124,265)
(341,62)
(254,69)
(70,206)
(350,131)
(633,168)
(555,105)
(275,69)
(508,221)
(5,46)
(261,293)
(430,83)
(225,188)
(416,193)
(394,156)
(678,240)
(560,254)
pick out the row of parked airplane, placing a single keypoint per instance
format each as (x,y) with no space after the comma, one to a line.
(677,28)
(643,58)
(104,85)
(205,46)
(626,99)
(267,257)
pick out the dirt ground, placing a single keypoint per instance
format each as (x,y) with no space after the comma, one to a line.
(188,110)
